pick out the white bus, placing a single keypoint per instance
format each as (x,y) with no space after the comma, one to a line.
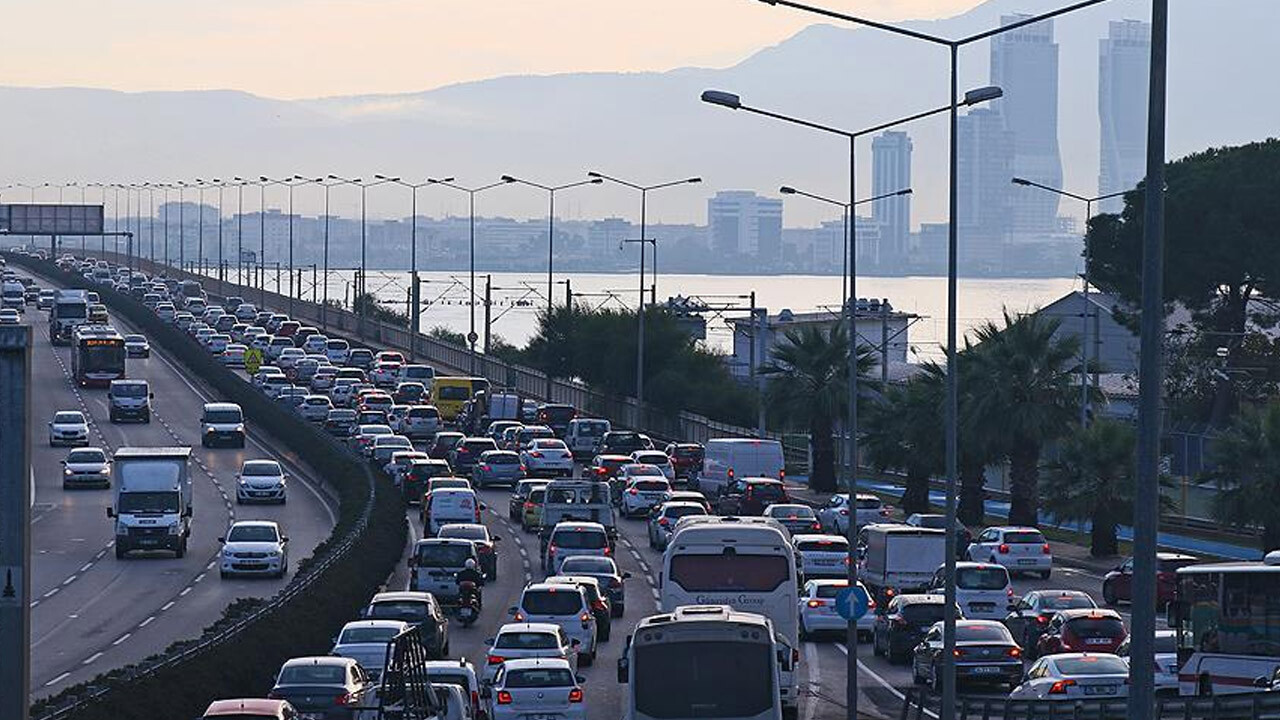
(745,563)
(1227,617)
(702,662)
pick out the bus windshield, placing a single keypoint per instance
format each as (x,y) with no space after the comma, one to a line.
(707,679)
(730,572)
(1232,613)
(102,356)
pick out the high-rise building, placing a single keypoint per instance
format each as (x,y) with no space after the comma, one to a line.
(1024,62)
(891,172)
(985,157)
(743,223)
(1124,62)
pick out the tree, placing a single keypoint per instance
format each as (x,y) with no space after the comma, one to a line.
(808,374)
(1093,480)
(1246,460)
(903,430)
(1025,394)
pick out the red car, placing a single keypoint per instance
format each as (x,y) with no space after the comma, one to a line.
(685,458)
(1091,630)
(1117,585)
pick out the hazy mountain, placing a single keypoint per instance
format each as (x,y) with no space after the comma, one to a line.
(647,126)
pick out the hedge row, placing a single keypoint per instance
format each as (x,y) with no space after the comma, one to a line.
(243,661)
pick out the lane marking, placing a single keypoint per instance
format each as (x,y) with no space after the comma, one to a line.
(146,622)
(863,669)
(58,679)
(122,638)
(166,606)
(91,658)
(810,698)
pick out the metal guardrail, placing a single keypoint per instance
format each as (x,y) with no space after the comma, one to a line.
(922,705)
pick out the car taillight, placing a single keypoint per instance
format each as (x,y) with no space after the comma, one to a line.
(496,659)
(504,697)
(958,652)
(1045,548)
(900,621)
(1009,591)
(475,698)
(1060,687)
(527,504)
(633,491)
(1004,549)
(607,551)
(664,522)
(597,605)
(730,473)
(519,616)
(844,512)
(816,526)
(816,603)
(485,467)
(871,604)
(1013,652)
(846,560)
(1042,619)
(343,699)
(585,618)
(601,471)
(575,695)
(536,454)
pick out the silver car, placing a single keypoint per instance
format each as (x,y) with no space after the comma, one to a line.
(497,467)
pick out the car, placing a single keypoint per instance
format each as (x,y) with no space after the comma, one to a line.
(399,464)
(337,350)
(340,422)
(166,312)
(419,609)
(526,434)
(421,422)
(657,459)
(68,427)
(903,624)
(444,505)
(288,358)
(98,314)
(418,475)
(822,556)
(315,408)
(366,641)
(372,417)
(497,467)
(467,452)
(86,466)
(692,496)
(136,346)
(386,374)
(233,356)
(435,563)
(796,518)
(246,312)
(324,688)
(983,591)
(314,343)
(531,516)
(507,440)
(939,522)
(254,547)
(520,495)
(535,688)
(817,610)
(383,445)
(323,379)
(642,494)
(606,467)
(1166,672)
(624,442)
(363,436)
(485,544)
(265,372)
(985,654)
(291,396)
(751,495)
(663,518)
(565,606)
(1072,677)
(1117,585)
(685,458)
(360,358)
(1020,549)
(443,443)
(222,423)
(571,539)
(250,709)
(583,435)
(521,640)
(460,674)
(45,301)
(597,599)
(1091,630)
(546,458)
(868,509)
(261,481)
(1033,611)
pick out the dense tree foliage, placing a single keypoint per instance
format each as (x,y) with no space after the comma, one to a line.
(1093,480)
(1247,468)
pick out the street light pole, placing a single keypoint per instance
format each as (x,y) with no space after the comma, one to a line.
(333,180)
(360,293)
(644,191)
(414,313)
(551,241)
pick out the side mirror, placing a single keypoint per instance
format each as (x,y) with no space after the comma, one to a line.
(624,670)
(575,642)
(1262,681)
(496,538)
(62,462)
(284,539)
(110,513)
(151,396)
(413,561)
(222,539)
(626,576)
(512,611)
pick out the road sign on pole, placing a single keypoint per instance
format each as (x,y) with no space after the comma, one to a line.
(252,360)
(852,603)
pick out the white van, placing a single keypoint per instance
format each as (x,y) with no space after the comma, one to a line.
(584,434)
(983,590)
(450,505)
(728,458)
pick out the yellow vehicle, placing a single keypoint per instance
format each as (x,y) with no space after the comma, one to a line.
(449,394)
(531,519)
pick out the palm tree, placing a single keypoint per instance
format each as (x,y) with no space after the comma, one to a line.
(1024,392)
(809,382)
(1093,480)
(977,448)
(903,430)
(1247,467)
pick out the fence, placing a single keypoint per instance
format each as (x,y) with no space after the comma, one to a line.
(922,705)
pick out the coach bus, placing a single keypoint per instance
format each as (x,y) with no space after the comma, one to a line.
(97,356)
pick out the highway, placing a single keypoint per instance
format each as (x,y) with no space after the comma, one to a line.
(92,612)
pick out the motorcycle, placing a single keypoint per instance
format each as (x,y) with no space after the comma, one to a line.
(468,603)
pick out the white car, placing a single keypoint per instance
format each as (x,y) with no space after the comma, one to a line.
(366,641)
(338,351)
(86,466)
(547,458)
(316,344)
(277,345)
(10,316)
(822,555)
(1019,549)
(264,372)
(233,355)
(868,510)
(166,312)
(385,374)
(254,547)
(384,445)
(563,605)
(1166,670)
(68,427)
(289,356)
(983,590)
(261,481)
(421,422)
(273,384)
(535,688)
(643,493)
(1075,676)
(323,379)
(343,389)
(315,408)
(658,459)
(521,640)
(246,312)
(818,610)
(218,343)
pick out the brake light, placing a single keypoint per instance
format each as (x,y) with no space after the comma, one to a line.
(730,473)
(1004,549)
(1009,591)
(1013,652)
(528,505)
(504,697)
(575,695)
(816,526)
(1042,619)
(597,605)
(475,698)
(844,511)
(343,699)
(536,454)
(519,616)
(846,560)
(1060,687)
(816,603)
(958,652)
(664,522)
(607,551)
(1045,548)
(485,467)
(871,604)
(633,491)
(585,618)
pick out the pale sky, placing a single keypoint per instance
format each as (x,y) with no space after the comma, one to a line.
(313,48)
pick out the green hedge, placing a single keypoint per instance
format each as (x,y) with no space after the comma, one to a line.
(303,622)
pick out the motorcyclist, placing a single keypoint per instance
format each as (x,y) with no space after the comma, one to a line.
(470,574)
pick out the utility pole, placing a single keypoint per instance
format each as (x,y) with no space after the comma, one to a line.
(488,312)
(760,328)
(415,311)
(751,352)
(15,520)
(884,344)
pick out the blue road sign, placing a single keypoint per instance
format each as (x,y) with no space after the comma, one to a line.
(852,603)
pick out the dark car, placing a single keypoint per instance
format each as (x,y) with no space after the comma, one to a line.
(520,495)
(750,496)
(417,475)
(685,457)
(797,519)
(605,467)
(443,444)
(985,654)
(1085,630)
(326,687)
(340,422)
(1031,614)
(557,417)
(903,624)
(416,608)
(410,393)
(1117,585)
(624,442)
(612,581)
(466,454)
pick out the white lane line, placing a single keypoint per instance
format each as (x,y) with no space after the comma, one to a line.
(122,638)
(69,580)
(58,679)
(50,594)
(184,592)
(86,566)
(862,668)
(810,698)
(199,578)
(656,596)
(211,565)
(166,606)
(91,658)
(146,622)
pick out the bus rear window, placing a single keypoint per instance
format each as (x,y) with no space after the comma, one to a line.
(730,572)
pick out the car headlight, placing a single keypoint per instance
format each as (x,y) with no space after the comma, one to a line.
(175,528)
(208,431)
(240,428)
(121,528)
(273,553)
(67,471)
(227,553)
(243,481)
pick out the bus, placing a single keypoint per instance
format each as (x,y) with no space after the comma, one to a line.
(1227,618)
(97,356)
(702,662)
(746,563)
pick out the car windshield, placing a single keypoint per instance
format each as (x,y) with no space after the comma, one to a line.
(652,485)
(580,539)
(1096,627)
(983,633)
(540,677)
(731,572)
(825,545)
(527,641)
(313,675)
(635,470)
(1092,665)
(129,390)
(466,532)
(592,428)
(261,467)
(453,392)
(1024,536)
(1166,642)
(766,491)
(1066,602)
(922,612)
(654,458)
(936,522)
(680,511)
(367,635)
(501,458)
(549,445)
(830,590)
(148,502)
(982,578)
(792,512)
(704,679)
(410,610)
(68,418)
(589,566)
(552,602)
(869,504)
(86,456)
(222,416)
(252,533)
(442,555)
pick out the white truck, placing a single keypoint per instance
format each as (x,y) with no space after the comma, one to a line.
(900,559)
(70,310)
(152,509)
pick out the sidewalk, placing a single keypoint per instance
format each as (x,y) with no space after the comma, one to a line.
(1074,554)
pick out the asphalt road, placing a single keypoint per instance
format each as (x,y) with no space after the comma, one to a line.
(92,612)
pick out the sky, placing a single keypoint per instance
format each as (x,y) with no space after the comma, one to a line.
(315,48)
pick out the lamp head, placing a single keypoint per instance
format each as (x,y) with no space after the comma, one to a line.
(787,190)
(983,94)
(596,181)
(507,179)
(594,174)
(694,180)
(905,192)
(1021,181)
(722,98)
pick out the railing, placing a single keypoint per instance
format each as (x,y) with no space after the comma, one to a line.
(922,705)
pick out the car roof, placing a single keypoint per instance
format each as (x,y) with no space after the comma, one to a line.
(221,406)
(1099,613)
(255,523)
(376,624)
(528,663)
(442,541)
(530,627)
(247,706)
(544,587)
(816,537)
(579,525)
(400,595)
(922,599)
(573,580)
(319,660)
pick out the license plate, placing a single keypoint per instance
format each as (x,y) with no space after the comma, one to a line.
(311,716)
(1099,689)
(540,717)
(1026,562)
(1097,641)
(985,670)
(982,607)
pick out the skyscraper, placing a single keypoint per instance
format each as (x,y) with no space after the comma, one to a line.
(1124,62)
(985,156)
(745,224)
(1024,62)
(891,172)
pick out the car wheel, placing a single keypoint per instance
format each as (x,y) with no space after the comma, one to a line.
(895,658)
(1044,574)
(875,644)
(619,610)
(804,631)
(120,552)
(935,680)
(915,674)
(239,500)
(181,552)
(604,635)
(223,574)
(1108,594)
(587,659)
